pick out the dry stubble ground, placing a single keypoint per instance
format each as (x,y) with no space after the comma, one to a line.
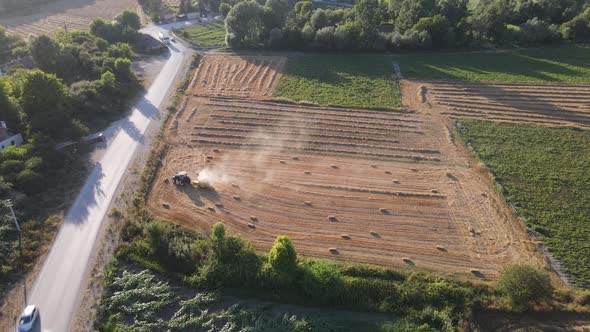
(390,188)
(65,14)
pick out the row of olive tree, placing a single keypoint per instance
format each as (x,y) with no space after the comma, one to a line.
(378,25)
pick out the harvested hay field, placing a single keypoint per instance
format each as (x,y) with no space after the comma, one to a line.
(66,14)
(380,187)
(239,76)
(538,104)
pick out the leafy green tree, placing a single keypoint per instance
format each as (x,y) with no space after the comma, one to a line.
(244,24)
(489,19)
(44,104)
(368,16)
(218,237)
(410,13)
(8,110)
(30,182)
(345,37)
(525,286)
(45,52)
(129,18)
(319,19)
(438,28)
(578,27)
(303,11)
(123,71)
(282,256)
(280,10)
(452,10)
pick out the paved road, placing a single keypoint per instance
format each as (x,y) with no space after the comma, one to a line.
(57,290)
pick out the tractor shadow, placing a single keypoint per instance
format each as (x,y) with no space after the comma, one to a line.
(199,196)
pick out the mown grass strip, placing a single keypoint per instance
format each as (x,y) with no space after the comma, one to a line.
(568,64)
(543,172)
(205,35)
(362,81)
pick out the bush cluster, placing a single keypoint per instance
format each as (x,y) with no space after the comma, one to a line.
(227,261)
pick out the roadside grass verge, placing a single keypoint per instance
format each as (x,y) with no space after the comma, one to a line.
(567,64)
(361,81)
(543,172)
(209,35)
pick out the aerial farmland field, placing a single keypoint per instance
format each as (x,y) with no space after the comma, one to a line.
(384,187)
(65,15)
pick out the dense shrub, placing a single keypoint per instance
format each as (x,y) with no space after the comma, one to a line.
(324,37)
(535,31)
(233,262)
(525,286)
(14,152)
(30,182)
(12,166)
(282,258)
(322,283)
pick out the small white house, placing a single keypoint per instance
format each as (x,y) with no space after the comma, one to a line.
(9,137)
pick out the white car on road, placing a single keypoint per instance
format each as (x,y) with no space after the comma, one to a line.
(28,319)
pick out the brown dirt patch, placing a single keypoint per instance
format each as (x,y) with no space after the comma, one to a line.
(67,14)
(239,76)
(401,189)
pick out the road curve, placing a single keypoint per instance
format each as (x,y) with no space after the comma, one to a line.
(58,288)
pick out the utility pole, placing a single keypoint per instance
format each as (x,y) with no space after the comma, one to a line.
(20,246)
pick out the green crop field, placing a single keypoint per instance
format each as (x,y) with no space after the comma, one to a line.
(340,80)
(569,64)
(543,172)
(205,35)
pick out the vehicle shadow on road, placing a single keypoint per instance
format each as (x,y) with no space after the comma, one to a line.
(88,197)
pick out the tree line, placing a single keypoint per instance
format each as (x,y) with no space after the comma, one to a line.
(404,24)
(83,81)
